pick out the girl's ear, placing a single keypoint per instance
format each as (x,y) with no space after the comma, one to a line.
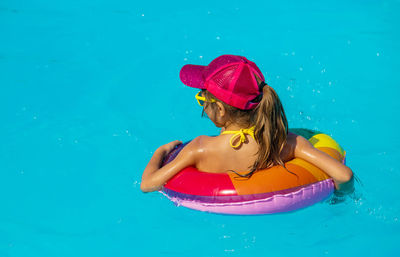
(221,109)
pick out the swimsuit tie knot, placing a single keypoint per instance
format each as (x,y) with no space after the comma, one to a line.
(239,135)
(242,139)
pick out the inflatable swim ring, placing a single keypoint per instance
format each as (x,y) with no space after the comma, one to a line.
(272,190)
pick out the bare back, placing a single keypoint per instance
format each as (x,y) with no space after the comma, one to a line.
(218,156)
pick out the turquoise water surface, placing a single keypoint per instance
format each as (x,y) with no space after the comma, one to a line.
(89,89)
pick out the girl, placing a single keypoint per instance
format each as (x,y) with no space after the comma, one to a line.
(254,130)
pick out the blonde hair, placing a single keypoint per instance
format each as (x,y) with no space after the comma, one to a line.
(271,127)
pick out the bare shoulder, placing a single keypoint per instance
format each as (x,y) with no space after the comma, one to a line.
(295,146)
(291,138)
(298,142)
(198,146)
(200,141)
(288,151)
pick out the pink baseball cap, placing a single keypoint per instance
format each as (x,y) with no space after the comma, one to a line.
(230,78)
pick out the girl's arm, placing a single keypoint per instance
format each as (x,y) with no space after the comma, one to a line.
(155,176)
(340,173)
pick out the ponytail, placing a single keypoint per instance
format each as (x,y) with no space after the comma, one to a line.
(271,129)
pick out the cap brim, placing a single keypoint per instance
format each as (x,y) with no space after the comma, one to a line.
(192,76)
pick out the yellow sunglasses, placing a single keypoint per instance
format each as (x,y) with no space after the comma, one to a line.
(201,99)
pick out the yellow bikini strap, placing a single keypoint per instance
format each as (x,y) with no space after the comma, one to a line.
(241,133)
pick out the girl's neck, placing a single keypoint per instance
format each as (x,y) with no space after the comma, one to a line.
(234,126)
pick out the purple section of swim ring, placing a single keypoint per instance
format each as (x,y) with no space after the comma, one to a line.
(283,202)
(231,198)
(228,198)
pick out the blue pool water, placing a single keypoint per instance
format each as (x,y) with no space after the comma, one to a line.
(89,89)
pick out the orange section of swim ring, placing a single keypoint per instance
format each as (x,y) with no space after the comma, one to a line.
(272,179)
(316,172)
(277,178)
